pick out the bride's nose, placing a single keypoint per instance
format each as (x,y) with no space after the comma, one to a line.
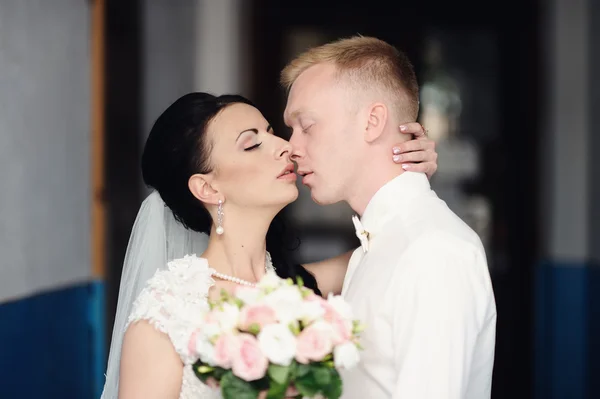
(285,151)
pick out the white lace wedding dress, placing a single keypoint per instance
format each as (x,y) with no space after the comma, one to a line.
(173,302)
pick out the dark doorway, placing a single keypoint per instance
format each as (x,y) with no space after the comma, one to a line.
(496,64)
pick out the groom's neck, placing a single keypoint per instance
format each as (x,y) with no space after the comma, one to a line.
(373,178)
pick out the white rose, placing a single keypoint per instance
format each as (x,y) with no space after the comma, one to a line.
(286,301)
(210,330)
(310,311)
(248,295)
(278,344)
(270,281)
(205,350)
(228,317)
(346,355)
(340,305)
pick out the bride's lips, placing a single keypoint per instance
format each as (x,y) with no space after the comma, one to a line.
(288,173)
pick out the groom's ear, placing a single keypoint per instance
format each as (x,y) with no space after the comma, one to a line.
(201,187)
(376,120)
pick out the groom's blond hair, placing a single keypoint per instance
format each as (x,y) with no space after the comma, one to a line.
(368,63)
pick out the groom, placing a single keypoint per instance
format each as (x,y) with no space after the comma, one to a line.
(420,280)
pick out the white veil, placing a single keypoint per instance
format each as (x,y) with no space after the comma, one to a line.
(156,239)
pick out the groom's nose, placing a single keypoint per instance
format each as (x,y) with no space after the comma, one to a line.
(298,146)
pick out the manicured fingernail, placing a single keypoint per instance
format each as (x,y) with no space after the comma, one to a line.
(402,128)
(406,166)
(396,150)
(397,158)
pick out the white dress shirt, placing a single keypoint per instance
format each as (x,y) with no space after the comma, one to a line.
(423,289)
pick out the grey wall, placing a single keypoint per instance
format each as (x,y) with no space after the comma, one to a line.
(168,55)
(594,112)
(190,45)
(44,145)
(565,202)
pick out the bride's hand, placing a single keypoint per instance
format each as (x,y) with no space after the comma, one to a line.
(417,155)
(291,392)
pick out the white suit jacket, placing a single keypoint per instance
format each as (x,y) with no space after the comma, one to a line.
(423,290)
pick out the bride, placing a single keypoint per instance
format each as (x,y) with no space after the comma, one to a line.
(216,168)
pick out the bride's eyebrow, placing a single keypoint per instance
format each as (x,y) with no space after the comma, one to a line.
(255,131)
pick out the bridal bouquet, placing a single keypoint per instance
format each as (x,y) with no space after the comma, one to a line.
(275,336)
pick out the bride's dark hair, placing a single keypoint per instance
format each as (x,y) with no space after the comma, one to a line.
(178,148)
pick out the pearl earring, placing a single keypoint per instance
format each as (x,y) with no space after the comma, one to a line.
(220,230)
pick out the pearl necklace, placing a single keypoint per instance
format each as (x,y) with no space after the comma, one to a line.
(268,267)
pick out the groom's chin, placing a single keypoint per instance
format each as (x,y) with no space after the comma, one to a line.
(320,199)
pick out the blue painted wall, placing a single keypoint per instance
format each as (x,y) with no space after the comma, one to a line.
(52,345)
(567,331)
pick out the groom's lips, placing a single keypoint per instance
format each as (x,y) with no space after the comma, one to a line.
(306,176)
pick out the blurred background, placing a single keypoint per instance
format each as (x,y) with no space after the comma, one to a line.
(507,91)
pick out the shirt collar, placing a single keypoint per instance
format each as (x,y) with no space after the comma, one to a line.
(391,199)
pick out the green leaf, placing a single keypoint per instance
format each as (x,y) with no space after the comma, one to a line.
(294,328)
(205,369)
(358,327)
(293,370)
(224,295)
(261,385)
(306,386)
(254,329)
(276,391)
(279,380)
(233,387)
(302,370)
(202,371)
(321,375)
(309,378)
(279,374)
(334,389)
(300,282)
(317,378)
(219,373)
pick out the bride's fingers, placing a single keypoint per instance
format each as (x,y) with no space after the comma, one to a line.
(291,392)
(412,128)
(211,382)
(417,156)
(429,168)
(414,145)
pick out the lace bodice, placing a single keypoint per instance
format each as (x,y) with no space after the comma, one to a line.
(173,302)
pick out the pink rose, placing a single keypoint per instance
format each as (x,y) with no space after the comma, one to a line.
(225,348)
(249,363)
(260,315)
(312,297)
(192,342)
(314,343)
(211,317)
(342,328)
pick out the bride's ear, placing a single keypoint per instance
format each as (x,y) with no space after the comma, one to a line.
(201,188)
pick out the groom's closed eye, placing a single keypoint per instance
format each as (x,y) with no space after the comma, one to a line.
(306,129)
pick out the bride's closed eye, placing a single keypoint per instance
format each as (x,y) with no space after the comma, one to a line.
(252,147)
(255,131)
